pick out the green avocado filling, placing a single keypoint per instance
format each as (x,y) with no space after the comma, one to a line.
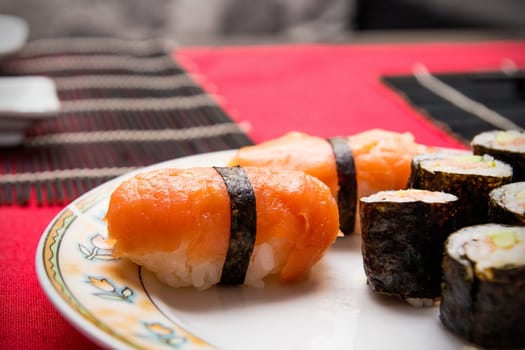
(475,159)
(469,158)
(504,239)
(504,137)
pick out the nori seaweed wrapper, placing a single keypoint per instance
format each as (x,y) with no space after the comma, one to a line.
(243,224)
(515,159)
(472,190)
(488,310)
(347,180)
(499,212)
(402,245)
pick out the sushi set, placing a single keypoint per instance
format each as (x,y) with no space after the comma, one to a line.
(301,242)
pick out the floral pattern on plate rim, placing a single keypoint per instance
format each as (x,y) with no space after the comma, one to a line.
(106,292)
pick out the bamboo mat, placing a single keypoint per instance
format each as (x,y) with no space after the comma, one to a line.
(465,104)
(124,105)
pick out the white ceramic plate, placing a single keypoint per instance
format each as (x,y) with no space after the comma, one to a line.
(120,306)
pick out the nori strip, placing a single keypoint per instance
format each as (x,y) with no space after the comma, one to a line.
(472,190)
(243,224)
(402,246)
(488,312)
(499,213)
(346,176)
(515,159)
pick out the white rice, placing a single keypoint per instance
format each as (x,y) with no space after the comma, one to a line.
(471,245)
(512,196)
(421,302)
(501,140)
(172,269)
(261,265)
(410,195)
(486,165)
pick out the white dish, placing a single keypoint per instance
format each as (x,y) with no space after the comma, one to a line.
(13,34)
(25,101)
(120,306)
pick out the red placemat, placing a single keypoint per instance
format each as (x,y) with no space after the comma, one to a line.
(332,90)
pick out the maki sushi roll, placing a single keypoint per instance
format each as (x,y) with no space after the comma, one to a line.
(483,296)
(507,204)
(352,167)
(507,146)
(417,159)
(204,226)
(402,242)
(470,177)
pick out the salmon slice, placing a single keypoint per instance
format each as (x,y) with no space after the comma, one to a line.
(382,158)
(293,151)
(170,211)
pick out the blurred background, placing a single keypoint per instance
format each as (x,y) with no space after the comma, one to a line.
(218,22)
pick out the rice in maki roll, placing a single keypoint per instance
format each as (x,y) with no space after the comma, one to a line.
(470,177)
(483,293)
(507,146)
(402,242)
(507,204)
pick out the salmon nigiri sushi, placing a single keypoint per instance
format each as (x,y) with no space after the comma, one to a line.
(352,167)
(230,225)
